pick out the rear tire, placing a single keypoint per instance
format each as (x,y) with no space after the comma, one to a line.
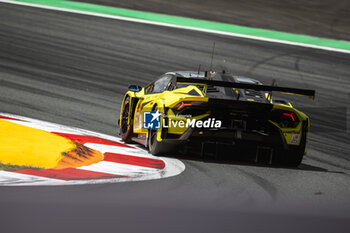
(126,126)
(152,143)
(294,156)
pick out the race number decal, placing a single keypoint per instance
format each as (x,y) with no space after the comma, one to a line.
(294,140)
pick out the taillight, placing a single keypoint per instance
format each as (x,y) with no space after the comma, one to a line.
(195,108)
(291,115)
(183,104)
(285,119)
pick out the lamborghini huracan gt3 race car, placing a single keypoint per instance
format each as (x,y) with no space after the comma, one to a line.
(207,111)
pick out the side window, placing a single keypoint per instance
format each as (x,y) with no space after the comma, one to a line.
(149,88)
(161,84)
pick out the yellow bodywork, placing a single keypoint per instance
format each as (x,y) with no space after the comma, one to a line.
(289,132)
(169,99)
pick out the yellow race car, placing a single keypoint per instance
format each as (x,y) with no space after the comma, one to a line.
(207,111)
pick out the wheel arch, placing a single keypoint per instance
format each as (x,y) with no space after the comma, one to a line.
(133,103)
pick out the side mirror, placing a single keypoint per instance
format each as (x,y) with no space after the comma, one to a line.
(135,88)
(283,102)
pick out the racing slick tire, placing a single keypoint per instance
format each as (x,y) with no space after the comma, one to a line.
(293,156)
(153,144)
(126,127)
(154,147)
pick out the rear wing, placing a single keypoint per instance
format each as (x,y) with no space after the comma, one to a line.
(285,90)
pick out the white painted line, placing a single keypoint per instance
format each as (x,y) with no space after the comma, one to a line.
(177,26)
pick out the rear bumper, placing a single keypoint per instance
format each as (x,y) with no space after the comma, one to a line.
(228,143)
(198,139)
(225,136)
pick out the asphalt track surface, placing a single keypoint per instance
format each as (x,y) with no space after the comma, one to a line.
(73,70)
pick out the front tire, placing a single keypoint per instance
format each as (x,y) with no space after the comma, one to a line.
(126,126)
